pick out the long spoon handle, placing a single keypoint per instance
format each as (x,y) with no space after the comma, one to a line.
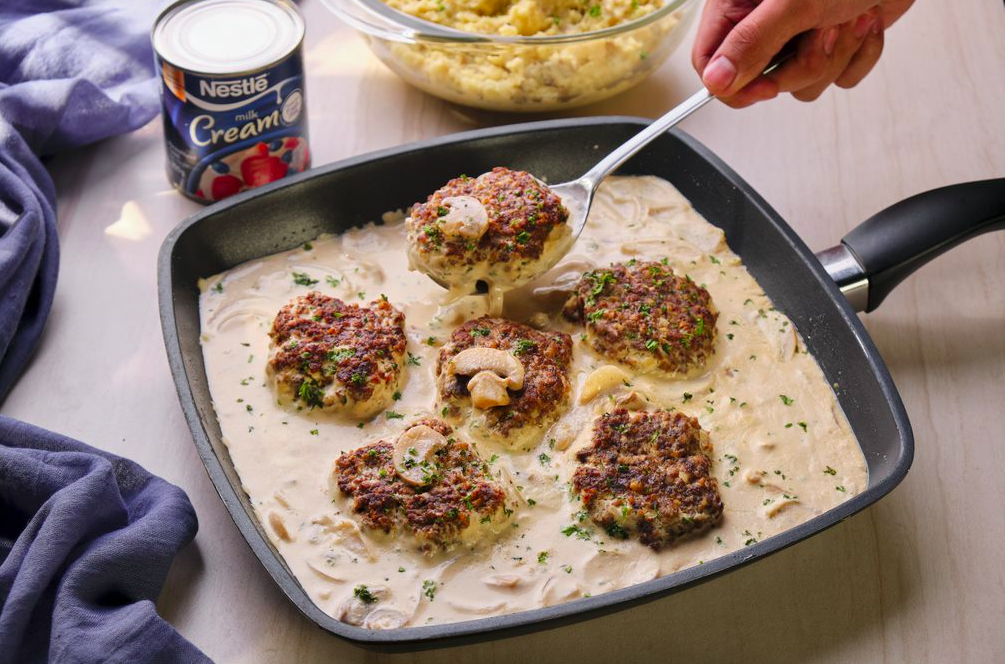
(621,154)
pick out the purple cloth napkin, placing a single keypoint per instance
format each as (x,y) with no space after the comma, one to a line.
(86,538)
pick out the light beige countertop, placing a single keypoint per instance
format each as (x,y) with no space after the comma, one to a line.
(919,577)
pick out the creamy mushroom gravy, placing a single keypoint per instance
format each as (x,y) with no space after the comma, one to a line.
(783,450)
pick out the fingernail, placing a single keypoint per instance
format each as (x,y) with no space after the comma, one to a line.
(862,25)
(719,74)
(877,27)
(830,39)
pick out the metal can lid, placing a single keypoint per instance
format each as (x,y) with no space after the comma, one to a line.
(227,36)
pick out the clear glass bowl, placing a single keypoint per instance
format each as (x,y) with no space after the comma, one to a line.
(537,73)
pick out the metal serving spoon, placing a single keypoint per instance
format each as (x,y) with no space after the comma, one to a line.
(577,195)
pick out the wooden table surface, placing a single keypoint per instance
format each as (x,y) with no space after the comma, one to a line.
(919,577)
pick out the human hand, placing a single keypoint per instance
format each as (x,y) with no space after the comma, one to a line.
(837,41)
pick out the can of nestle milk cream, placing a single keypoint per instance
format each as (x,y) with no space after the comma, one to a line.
(232,94)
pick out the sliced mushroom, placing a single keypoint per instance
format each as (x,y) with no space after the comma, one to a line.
(502,580)
(413,454)
(354,610)
(385,618)
(466,217)
(780,333)
(493,371)
(776,506)
(473,360)
(633,400)
(276,522)
(488,390)
(600,381)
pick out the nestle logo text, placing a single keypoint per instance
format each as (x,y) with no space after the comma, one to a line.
(234,88)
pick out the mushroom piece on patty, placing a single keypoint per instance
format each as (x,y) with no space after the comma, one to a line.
(647,474)
(426,482)
(342,358)
(496,227)
(508,381)
(644,316)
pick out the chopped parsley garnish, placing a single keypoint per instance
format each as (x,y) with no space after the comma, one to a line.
(429,589)
(830,471)
(523,346)
(713,259)
(522,237)
(315,432)
(340,354)
(542,557)
(803,426)
(479,332)
(788,401)
(303,279)
(218,287)
(841,489)
(414,360)
(392,415)
(310,393)
(652,344)
(600,280)
(616,531)
(687,396)
(580,533)
(544,459)
(332,281)
(364,594)
(434,234)
(595,11)
(594,316)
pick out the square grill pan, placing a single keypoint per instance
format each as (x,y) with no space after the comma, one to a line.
(329,199)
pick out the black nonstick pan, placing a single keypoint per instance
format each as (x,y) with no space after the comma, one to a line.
(868,263)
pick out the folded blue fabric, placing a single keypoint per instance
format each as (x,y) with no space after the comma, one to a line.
(86,538)
(70,73)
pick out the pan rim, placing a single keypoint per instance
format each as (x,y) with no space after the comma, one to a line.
(513,624)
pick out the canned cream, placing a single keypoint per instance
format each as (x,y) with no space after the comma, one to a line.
(232,93)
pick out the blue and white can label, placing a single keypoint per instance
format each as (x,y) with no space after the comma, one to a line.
(225,133)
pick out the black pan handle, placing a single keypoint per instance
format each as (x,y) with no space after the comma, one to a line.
(883,250)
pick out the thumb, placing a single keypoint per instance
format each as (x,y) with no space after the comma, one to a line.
(752,42)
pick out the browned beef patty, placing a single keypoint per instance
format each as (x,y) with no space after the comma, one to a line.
(336,356)
(461,493)
(522,215)
(647,475)
(545,357)
(646,317)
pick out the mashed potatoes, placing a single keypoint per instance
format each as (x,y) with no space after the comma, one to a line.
(527,17)
(530,76)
